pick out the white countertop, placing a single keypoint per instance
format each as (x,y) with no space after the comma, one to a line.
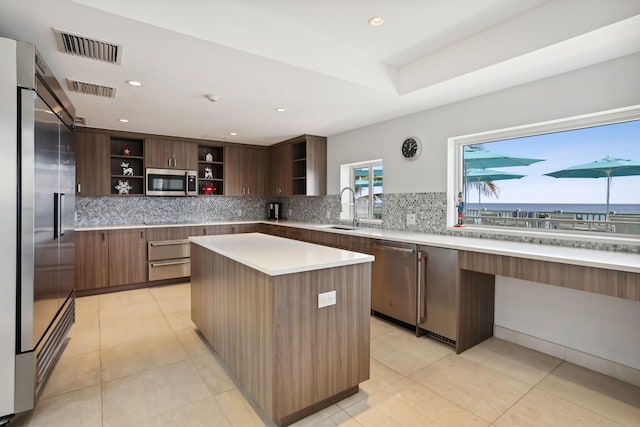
(610,260)
(586,257)
(275,255)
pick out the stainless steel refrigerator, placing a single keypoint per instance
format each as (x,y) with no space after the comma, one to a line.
(37,224)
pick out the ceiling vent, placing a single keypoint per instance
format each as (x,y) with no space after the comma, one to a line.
(76,44)
(80,121)
(91,89)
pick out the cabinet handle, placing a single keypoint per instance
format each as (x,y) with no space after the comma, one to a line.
(169,162)
(248,190)
(162,264)
(79,188)
(104,237)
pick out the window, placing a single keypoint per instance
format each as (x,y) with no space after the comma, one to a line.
(365,179)
(552,176)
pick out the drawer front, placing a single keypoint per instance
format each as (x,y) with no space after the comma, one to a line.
(169,269)
(168,249)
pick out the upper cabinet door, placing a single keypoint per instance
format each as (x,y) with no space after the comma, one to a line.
(280,171)
(245,171)
(168,154)
(92,164)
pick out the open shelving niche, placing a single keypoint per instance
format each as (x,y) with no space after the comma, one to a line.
(300,168)
(217,169)
(134,160)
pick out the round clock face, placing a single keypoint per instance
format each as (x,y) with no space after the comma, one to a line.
(411,148)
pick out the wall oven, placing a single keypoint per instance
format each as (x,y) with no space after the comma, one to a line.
(171,182)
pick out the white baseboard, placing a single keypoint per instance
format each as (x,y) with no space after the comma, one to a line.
(613,369)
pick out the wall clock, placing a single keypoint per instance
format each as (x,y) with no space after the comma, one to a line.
(411,148)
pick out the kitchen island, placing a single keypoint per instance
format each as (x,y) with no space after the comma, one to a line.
(290,319)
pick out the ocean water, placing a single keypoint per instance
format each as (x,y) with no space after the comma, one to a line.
(628,208)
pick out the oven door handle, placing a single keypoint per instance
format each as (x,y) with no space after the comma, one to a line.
(162,264)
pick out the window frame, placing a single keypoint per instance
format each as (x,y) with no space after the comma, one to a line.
(347,178)
(455,178)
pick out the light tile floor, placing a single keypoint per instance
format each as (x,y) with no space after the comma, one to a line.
(135,359)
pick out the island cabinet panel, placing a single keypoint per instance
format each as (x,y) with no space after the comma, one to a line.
(127,257)
(92,260)
(292,357)
(312,364)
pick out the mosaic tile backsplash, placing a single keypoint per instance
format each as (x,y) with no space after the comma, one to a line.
(429,209)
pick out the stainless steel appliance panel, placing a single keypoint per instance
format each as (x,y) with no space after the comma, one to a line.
(438,291)
(393,280)
(66,241)
(46,218)
(171,182)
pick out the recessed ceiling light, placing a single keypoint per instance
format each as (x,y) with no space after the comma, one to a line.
(134,83)
(376,21)
(124,120)
(281,110)
(233,133)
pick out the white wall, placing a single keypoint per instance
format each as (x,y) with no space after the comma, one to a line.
(8,148)
(610,85)
(596,325)
(599,325)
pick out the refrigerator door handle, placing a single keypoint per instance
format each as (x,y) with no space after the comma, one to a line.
(60,214)
(56,216)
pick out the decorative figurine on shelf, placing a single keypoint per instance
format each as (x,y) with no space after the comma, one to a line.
(126,151)
(208,157)
(208,173)
(460,206)
(123,186)
(126,170)
(209,189)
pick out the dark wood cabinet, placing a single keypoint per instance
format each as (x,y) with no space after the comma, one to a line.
(126,166)
(211,170)
(245,171)
(309,166)
(92,164)
(92,260)
(127,257)
(170,154)
(280,178)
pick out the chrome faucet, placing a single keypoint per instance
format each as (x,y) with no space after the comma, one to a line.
(353,199)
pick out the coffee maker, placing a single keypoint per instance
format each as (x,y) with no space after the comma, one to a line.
(274,211)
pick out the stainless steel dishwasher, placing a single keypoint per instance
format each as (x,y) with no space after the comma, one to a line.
(393,280)
(438,293)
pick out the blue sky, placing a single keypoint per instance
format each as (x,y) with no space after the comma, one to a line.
(562,150)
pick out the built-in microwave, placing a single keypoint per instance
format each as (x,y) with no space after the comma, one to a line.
(171,182)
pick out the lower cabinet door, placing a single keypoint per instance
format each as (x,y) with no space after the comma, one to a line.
(127,257)
(92,260)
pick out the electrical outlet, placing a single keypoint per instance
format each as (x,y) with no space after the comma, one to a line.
(290,213)
(411,219)
(326,299)
(239,212)
(328,214)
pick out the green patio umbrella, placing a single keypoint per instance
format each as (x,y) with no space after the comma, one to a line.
(475,158)
(485,175)
(607,167)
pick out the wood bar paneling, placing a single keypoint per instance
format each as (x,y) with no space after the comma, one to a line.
(286,352)
(476,302)
(614,283)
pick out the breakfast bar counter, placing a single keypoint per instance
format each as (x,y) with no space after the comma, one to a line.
(289,318)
